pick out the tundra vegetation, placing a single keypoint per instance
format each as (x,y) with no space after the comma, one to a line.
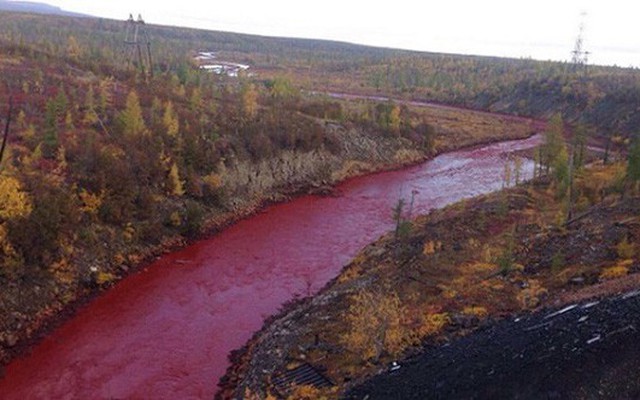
(107,164)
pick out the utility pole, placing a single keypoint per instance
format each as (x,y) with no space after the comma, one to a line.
(579,56)
(137,37)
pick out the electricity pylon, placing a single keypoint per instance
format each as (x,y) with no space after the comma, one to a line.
(579,56)
(137,37)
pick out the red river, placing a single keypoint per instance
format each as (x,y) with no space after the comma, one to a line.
(165,333)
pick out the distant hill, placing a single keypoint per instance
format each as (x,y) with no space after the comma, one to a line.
(32,7)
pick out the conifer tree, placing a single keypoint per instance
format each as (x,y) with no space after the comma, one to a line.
(131,118)
(249,100)
(50,137)
(553,142)
(175,184)
(633,161)
(170,120)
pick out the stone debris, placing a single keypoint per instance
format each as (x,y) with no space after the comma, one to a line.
(594,339)
(630,294)
(591,304)
(534,354)
(560,312)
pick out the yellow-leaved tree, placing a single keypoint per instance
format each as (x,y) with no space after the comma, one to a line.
(14,202)
(249,100)
(131,118)
(170,120)
(176,186)
(375,325)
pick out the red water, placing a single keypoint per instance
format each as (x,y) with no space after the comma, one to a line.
(165,333)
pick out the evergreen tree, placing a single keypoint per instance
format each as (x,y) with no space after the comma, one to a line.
(50,137)
(553,142)
(633,162)
(579,146)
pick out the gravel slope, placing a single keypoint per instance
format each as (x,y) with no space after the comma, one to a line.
(582,351)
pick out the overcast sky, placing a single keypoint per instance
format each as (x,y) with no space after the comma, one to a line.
(542,29)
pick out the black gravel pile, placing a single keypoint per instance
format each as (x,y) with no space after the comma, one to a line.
(583,351)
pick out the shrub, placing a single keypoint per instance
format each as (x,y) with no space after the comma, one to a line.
(476,311)
(625,249)
(617,271)
(530,296)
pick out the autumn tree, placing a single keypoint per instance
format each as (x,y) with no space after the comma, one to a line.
(282,91)
(195,100)
(388,116)
(506,176)
(517,169)
(426,134)
(14,201)
(170,120)
(374,322)
(579,146)
(5,134)
(249,96)
(37,236)
(73,48)
(175,184)
(403,225)
(561,170)
(90,115)
(131,118)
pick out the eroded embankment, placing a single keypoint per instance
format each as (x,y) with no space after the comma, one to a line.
(32,310)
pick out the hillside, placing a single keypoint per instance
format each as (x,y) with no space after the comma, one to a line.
(110,163)
(33,7)
(603,99)
(107,166)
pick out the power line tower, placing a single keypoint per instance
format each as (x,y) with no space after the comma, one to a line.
(579,56)
(137,37)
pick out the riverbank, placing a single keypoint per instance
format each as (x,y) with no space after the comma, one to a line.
(292,174)
(459,269)
(242,208)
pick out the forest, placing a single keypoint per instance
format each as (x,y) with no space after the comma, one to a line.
(110,162)
(107,164)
